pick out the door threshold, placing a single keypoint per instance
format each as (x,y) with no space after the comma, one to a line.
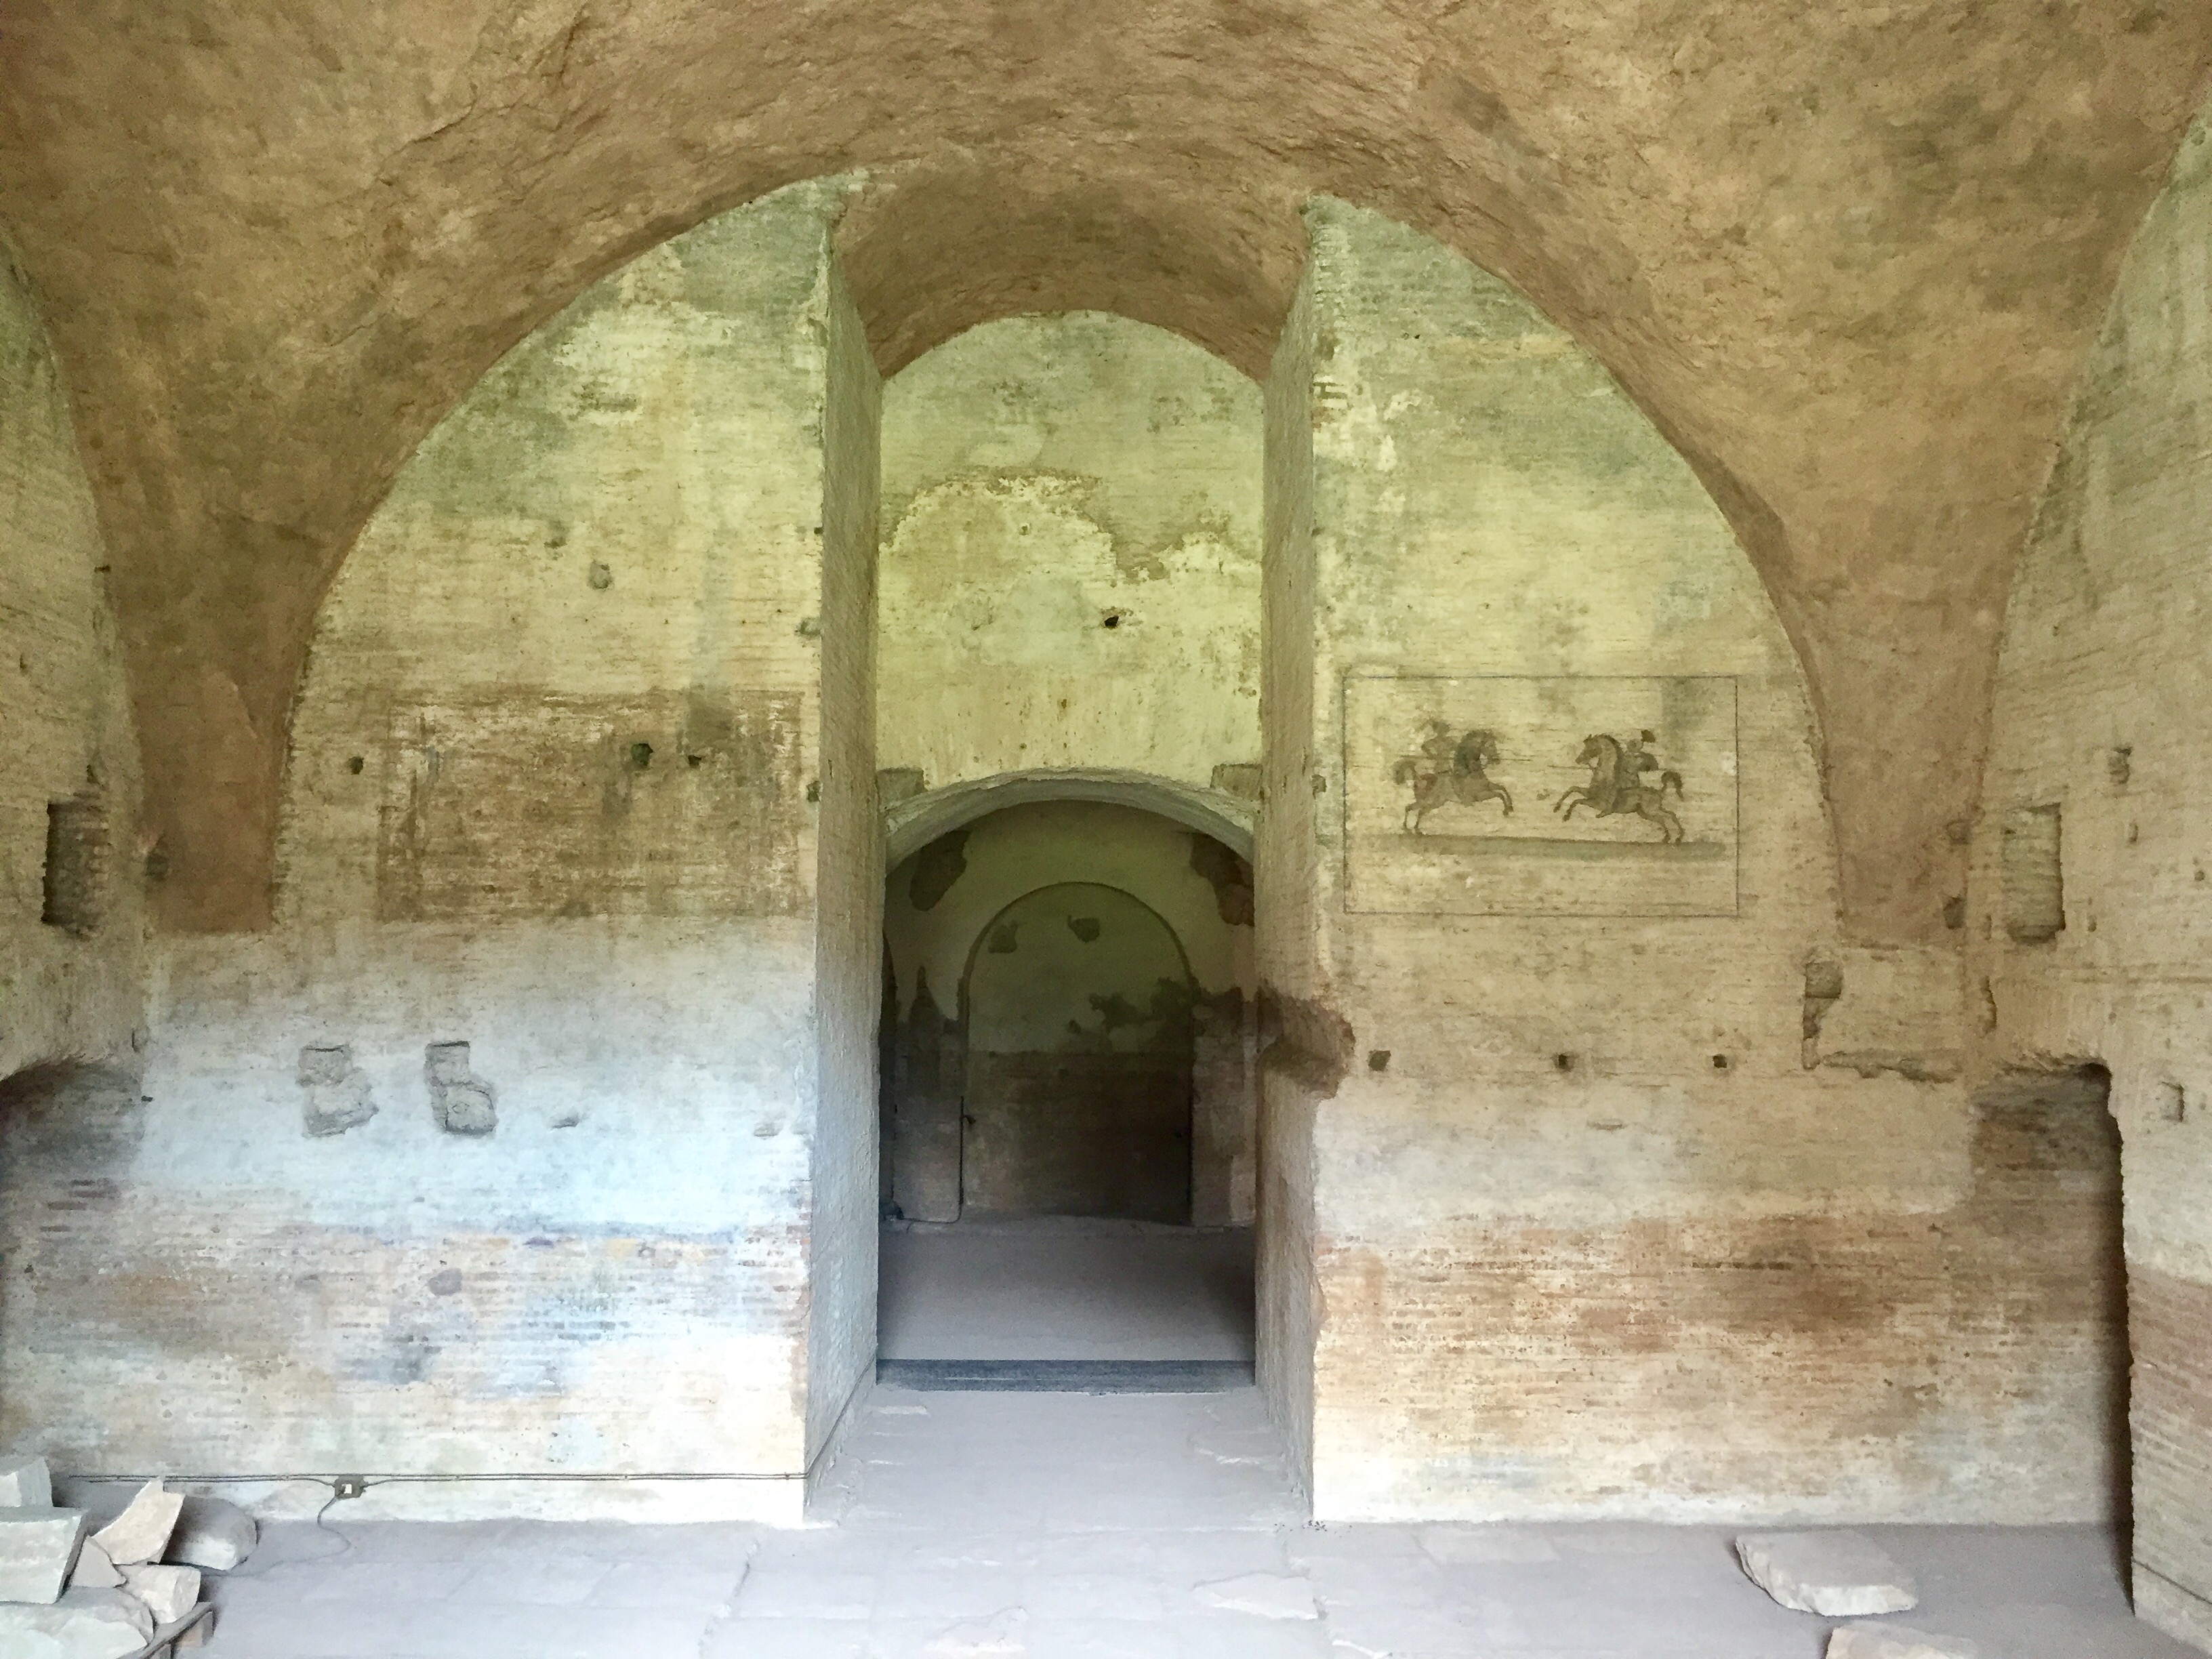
(1065,1376)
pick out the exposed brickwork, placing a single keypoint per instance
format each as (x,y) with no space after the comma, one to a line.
(2170,1323)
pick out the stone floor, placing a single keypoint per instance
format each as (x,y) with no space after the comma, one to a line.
(1064,1288)
(1076,1527)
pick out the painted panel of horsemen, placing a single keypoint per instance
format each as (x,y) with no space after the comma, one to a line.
(1563,795)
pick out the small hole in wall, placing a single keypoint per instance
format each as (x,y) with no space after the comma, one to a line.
(641,755)
(2173,1102)
(1563,1062)
(1721,1062)
(1111,619)
(1378,1060)
(355,764)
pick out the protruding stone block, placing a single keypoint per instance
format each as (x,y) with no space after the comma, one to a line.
(38,1547)
(463,1102)
(334,1092)
(213,1536)
(1845,1575)
(141,1532)
(85,1623)
(25,1484)
(93,1568)
(1896,1642)
(169,1593)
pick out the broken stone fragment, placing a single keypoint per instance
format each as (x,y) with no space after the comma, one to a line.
(1896,1642)
(38,1547)
(169,1593)
(93,1570)
(1845,1575)
(25,1483)
(212,1536)
(141,1532)
(85,1623)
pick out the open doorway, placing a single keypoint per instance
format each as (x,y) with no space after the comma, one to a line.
(1068,1119)
(2047,1208)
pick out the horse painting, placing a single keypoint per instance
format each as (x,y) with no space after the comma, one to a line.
(1617,785)
(1449,772)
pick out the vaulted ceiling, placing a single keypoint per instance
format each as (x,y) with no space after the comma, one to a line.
(1847,256)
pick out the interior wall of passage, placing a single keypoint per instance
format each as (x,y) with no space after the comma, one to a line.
(69,977)
(580,779)
(1631,1190)
(2101,726)
(1071,555)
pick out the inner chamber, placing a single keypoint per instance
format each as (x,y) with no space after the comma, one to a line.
(1067,1102)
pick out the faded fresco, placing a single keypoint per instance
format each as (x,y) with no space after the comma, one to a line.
(1552,795)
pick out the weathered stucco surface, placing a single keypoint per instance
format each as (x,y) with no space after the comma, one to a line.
(66,994)
(1071,555)
(938,906)
(583,777)
(1594,1228)
(2102,713)
(1847,258)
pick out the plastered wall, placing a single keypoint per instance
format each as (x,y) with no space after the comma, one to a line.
(66,993)
(939,903)
(1627,1187)
(581,777)
(2101,713)
(1071,554)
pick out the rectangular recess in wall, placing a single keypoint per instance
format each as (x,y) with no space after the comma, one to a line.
(534,803)
(76,863)
(2029,871)
(1540,795)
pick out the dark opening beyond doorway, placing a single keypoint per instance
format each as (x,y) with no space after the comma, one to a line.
(2047,1196)
(1078,1006)
(1066,1107)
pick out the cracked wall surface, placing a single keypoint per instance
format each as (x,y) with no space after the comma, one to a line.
(1847,258)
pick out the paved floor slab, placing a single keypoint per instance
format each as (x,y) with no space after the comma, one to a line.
(1106,1527)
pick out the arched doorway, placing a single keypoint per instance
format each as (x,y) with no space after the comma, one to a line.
(1068,1104)
(1077,1005)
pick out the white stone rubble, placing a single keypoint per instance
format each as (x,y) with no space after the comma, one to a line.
(141,1532)
(169,1593)
(1896,1642)
(25,1483)
(213,1536)
(95,1569)
(1845,1575)
(66,1595)
(38,1547)
(85,1623)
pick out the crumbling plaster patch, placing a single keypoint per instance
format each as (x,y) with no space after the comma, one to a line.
(1071,571)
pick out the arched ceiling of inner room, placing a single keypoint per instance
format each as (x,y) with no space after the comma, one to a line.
(1847,258)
